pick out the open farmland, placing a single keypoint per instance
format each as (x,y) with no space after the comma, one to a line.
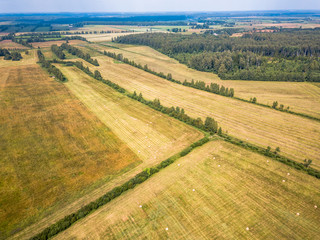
(8,44)
(150,141)
(301,97)
(53,149)
(27,59)
(59,42)
(144,130)
(237,195)
(297,137)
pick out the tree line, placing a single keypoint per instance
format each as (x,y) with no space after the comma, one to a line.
(201,85)
(213,87)
(13,55)
(79,53)
(210,125)
(50,68)
(286,55)
(58,51)
(27,39)
(274,155)
(141,177)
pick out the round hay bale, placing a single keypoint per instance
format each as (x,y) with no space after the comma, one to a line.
(167,229)
(288,174)
(247,228)
(283,180)
(298,214)
(315,206)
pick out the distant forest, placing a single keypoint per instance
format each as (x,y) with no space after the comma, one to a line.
(285,55)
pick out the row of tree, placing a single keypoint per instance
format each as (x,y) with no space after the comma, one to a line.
(274,155)
(209,125)
(58,51)
(79,53)
(50,68)
(213,87)
(68,220)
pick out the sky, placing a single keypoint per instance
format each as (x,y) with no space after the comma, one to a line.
(22,6)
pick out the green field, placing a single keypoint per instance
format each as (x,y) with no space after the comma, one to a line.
(216,192)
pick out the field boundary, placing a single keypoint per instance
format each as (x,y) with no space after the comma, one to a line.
(205,88)
(141,177)
(157,106)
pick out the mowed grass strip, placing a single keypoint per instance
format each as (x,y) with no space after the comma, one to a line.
(297,137)
(151,135)
(52,149)
(301,97)
(218,191)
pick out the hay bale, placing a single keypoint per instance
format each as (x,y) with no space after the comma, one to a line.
(219,165)
(315,206)
(283,180)
(140,206)
(193,190)
(167,229)
(298,214)
(288,174)
(247,228)
(178,164)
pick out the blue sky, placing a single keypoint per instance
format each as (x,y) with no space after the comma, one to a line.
(15,6)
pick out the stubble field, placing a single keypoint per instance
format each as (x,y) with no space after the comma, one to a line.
(300,97)
(297,137)
(219,191)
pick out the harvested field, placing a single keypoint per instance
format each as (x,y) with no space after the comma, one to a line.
(151,136)
(194,198)
(144,130)
(252,123)
(53,150)
(300,97)
(27,59)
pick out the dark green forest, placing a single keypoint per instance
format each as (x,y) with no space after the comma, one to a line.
(283,55)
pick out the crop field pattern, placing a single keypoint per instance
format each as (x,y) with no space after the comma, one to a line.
(300,97)
(144,130)
(52,148)
(219,191)
(297,137)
